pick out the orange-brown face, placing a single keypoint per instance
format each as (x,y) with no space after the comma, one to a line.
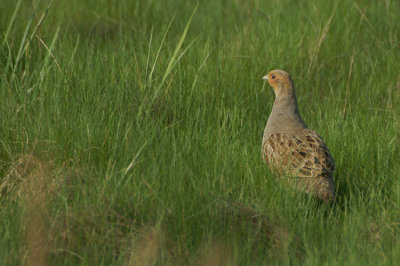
(278,79)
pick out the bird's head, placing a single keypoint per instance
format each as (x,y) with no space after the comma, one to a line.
(280,81)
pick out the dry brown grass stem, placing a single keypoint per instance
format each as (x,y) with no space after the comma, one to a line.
(322,36)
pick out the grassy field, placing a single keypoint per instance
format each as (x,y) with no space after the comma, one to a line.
(130,132)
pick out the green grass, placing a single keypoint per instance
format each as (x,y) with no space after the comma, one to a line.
(130,132)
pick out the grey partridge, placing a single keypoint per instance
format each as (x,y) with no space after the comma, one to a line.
(290,148)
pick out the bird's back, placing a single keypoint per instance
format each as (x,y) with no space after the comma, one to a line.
(302,157)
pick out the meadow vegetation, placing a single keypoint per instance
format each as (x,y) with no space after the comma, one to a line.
(130,131)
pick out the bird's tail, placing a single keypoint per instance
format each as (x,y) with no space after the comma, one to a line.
(324,189)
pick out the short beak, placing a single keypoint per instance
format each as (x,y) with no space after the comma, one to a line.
(265,77)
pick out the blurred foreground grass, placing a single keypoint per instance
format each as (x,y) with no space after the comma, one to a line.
(130,132)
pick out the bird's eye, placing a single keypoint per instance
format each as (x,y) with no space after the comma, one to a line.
(273,76)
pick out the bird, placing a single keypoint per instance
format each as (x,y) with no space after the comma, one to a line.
(290,148)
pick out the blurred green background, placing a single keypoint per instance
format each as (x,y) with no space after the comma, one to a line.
(130,132)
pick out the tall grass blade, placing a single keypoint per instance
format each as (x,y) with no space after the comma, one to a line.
(11,21)
(158,53)
(49,53)
(21,51)
(174,55)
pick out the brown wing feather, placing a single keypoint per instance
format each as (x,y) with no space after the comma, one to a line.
(303,155)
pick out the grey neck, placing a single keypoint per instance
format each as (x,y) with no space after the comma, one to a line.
(284,117)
